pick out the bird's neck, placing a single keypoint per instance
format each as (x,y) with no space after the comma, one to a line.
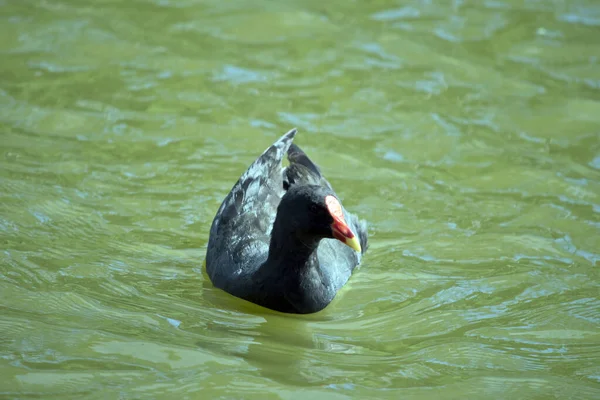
(289,250)
(293,273)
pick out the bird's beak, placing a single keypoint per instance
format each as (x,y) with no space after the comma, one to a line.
(339,227)
(342,232)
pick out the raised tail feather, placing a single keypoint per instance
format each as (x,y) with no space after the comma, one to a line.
(302,171)
(297,156)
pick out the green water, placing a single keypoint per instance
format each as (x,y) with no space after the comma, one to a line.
(466,133)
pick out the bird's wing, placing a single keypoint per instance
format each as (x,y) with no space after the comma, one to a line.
(239,235)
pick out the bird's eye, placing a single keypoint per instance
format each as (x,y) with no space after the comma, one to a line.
(314,208)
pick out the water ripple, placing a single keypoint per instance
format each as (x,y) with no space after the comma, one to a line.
(466,134)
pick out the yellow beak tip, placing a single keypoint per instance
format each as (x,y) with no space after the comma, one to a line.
(353,243)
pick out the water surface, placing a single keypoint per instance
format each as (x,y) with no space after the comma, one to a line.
(466,133)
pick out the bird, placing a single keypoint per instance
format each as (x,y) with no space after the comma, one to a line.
(281,237)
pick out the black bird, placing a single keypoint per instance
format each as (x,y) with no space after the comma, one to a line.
(281,238)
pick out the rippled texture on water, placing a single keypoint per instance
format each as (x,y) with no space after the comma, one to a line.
(466,133)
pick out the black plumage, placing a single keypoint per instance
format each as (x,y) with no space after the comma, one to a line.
(271,241)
